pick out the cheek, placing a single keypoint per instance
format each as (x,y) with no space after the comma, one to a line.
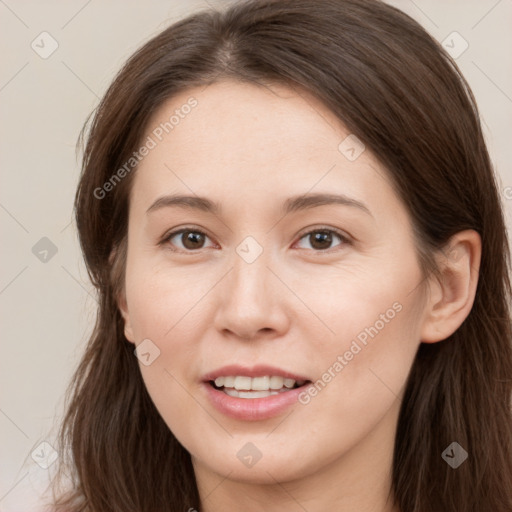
(364,368)
(161,311)
(165,308)
(362,305)
(161,300)
(375,322)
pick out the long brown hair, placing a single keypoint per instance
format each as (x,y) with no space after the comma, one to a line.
(394,87)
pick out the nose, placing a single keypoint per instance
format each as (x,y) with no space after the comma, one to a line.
(252,302)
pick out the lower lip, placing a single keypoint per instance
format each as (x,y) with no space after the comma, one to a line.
(252,409)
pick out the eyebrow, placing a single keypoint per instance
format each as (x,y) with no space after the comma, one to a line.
(292,204)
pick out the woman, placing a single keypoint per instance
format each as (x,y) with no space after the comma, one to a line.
(334,331)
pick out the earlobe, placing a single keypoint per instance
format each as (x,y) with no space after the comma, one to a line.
(452,291)
(123,308)
(117,263)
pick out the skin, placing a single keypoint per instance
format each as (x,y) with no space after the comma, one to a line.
(297,306)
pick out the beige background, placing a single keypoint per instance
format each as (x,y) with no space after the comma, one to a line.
(47,309)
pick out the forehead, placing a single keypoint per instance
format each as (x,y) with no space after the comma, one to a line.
(232,139)
(252,121)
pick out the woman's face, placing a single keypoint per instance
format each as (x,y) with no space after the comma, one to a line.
(270,284)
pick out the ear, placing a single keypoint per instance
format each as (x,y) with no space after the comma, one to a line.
(123,308)
(121,296)
(452,292)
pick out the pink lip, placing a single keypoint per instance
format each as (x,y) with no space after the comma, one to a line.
(252,409)
(254,371)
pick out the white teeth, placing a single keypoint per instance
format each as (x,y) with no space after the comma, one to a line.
(276,382)
(243,383)
(289,383)
(260,383)
(249,394)
(229,382)
(265,384)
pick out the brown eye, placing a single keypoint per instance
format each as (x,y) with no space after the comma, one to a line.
(322,239)
(192,239)
(187,239)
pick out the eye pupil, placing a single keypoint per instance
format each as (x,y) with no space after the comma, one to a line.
(193,237)
(324,237)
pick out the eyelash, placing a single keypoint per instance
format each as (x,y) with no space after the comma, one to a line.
(344,238)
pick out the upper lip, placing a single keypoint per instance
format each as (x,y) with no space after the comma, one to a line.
(251,371)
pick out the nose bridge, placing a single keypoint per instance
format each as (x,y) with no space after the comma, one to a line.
(249,300)
(250,272)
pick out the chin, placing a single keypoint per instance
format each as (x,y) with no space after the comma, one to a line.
(246,463)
